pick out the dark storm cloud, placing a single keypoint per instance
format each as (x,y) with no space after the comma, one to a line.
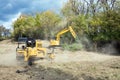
(9,8)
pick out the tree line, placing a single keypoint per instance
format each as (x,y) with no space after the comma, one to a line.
(41,25)
(98,20)
(4,33)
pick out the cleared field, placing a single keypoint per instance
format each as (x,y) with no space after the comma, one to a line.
(79,65)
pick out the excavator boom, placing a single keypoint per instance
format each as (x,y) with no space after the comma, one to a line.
(72,32)
(56,42)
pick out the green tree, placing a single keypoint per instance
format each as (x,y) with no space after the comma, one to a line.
(41,25)
(49,21)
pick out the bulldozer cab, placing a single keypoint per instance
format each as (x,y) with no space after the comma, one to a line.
(30,42)
(22,42)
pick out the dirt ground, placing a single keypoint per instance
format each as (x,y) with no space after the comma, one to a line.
(67,65)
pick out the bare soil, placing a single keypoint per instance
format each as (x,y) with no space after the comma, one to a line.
(67,65)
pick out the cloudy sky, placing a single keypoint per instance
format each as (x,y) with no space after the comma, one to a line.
(10,10)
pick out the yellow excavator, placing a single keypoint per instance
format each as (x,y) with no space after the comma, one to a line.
(56,42)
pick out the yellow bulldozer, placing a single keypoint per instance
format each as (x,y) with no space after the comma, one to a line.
(30,48)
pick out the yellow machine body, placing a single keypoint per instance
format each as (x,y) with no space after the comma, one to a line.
(56,42)
(37,51)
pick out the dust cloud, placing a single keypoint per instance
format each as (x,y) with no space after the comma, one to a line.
(109,48)
(81,56)
(8,59)
(8,53)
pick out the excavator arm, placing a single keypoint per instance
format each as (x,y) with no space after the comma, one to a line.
(57,41)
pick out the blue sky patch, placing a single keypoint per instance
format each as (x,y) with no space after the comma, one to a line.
(10,10)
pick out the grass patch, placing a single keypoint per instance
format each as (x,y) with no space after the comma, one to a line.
(73,47)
